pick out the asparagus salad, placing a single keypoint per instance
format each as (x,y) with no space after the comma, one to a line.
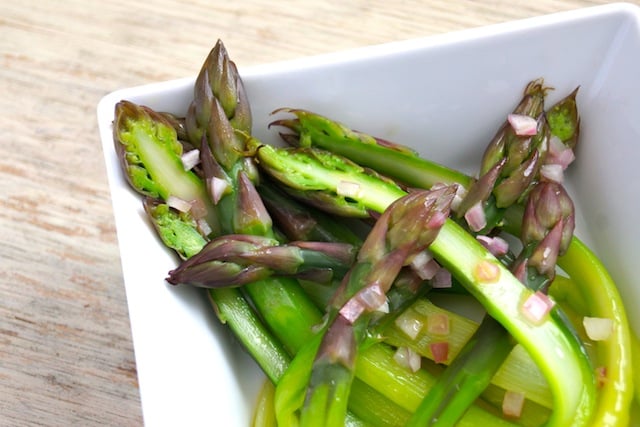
(330,257)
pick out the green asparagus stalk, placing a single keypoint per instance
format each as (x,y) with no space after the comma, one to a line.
(492,284)
(311,129)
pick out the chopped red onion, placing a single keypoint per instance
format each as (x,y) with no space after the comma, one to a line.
(496,245)
(440,351)
(537,307)
(203,227)
(178,203)
(522,124)
(371,297)
(512,403)
(457,199)
(383,308)
(475,217)
(601,375)
(190,159)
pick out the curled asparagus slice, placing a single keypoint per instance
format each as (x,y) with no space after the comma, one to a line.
(503,297)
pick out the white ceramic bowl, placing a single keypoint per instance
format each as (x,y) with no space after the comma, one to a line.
(443,95)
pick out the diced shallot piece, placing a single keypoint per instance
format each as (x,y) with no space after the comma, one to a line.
(552,172)
(475,217)
(440,351)
(407,358)
(190,159)
(442,279)
(424,265)
(198,210)
(496,245)
(559,153)
(409,324)
(598,328)
(522,124)
(348,189)
(438,324)
(537,306)
(217,187)
(178,204)
(512,403)
(601,375)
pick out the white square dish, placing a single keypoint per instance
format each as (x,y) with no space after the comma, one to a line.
(443,95)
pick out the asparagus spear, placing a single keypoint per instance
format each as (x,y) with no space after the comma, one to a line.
(150,156)
(239,259)
(219,119)
(328,363)
(490,282)
(406,228)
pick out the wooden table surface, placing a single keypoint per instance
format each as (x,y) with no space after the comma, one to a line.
(66,356)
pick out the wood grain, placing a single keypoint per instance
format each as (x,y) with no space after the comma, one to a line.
(66,356)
